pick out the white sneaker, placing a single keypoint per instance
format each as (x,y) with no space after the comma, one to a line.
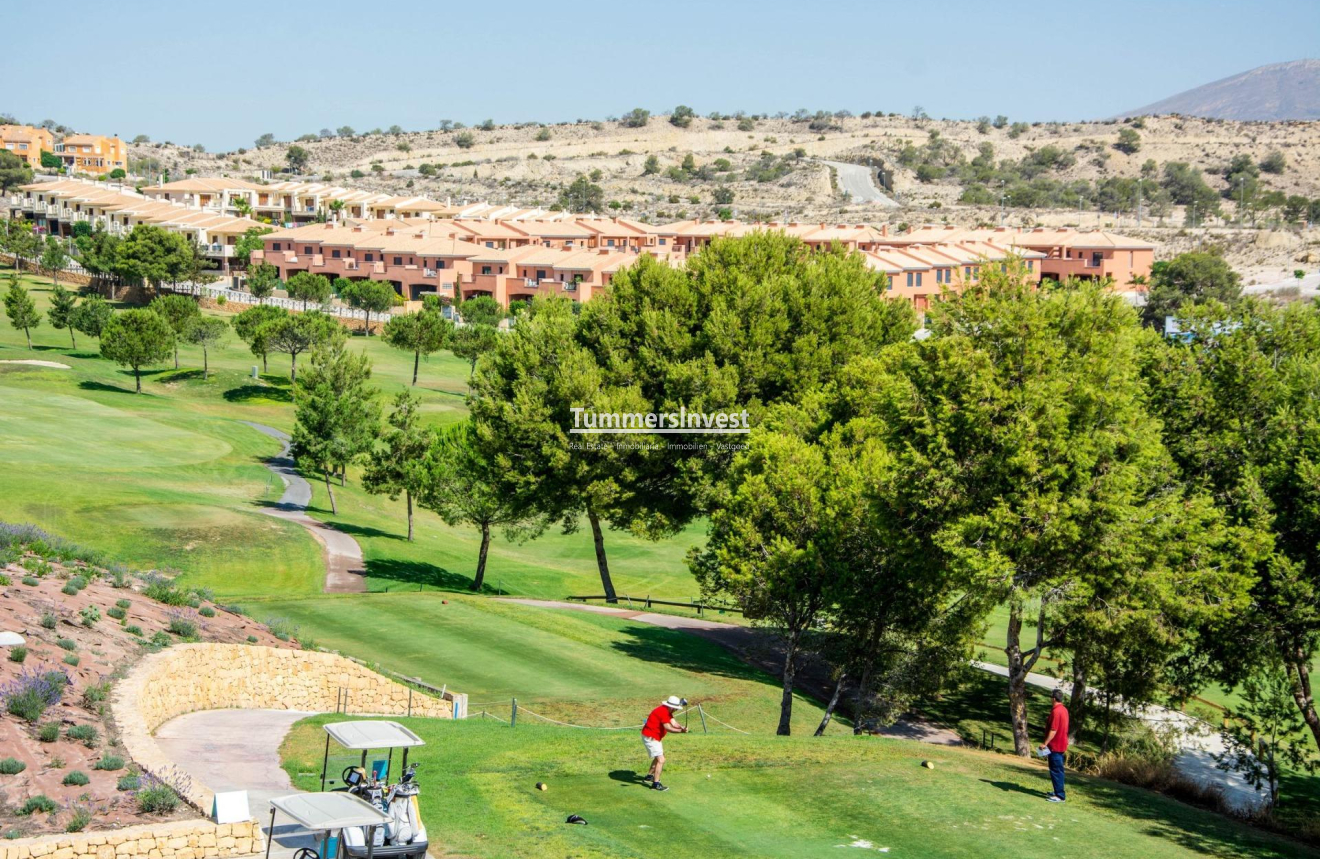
(1054,797)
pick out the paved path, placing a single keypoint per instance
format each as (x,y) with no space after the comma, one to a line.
(1198,740)
(856,179)
(239,750)
(755,648)
(345,571)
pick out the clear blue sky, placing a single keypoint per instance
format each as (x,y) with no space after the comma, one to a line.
(222,74)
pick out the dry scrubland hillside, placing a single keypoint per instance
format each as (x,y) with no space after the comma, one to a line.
(530,164)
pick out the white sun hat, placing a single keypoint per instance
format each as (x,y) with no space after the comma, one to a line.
(674,702)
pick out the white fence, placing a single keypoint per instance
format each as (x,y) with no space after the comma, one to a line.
(214,290)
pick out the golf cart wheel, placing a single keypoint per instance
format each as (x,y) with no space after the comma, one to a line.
(306,853)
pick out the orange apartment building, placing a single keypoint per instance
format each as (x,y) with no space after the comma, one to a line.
(92,153)
(1088,254)
(27,142)
(458,259)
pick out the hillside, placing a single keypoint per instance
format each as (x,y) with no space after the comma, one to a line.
(83,625)
(1281,91)
(529,164)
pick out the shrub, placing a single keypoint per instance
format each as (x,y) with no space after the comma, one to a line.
(67,643)
(156,797)
(133,629)
(252,639)
(37,567)
(32,539)
(79,582)
(116,613)
(206,611)
(162,589)
(82,815)
(130,781)
(4,581)
(95,694)
(87,734)
(11,766)
(75,778)
(182,625)
(109,763)
(18,654)
(124,604)
(49,620)
(28,695)
(71,659)
(464,140)
(37,804)
(49,732)
(161,639)
(30,581)
(90,616)
(69,590)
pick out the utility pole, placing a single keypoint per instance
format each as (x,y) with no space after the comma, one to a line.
(1138,203)
(1002,195)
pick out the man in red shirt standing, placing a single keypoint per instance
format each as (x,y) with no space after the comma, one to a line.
(1056,744)
(660,722)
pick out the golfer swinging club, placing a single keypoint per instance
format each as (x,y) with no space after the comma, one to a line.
(660,722)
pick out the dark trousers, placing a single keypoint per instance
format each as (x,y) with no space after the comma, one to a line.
(1056,773)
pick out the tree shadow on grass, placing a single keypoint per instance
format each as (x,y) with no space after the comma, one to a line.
(180,375)
(1011,787)
(401,575)
(257,393)
(89,385)
(1195,829)
(686,651)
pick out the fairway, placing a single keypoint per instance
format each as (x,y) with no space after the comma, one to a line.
(585,668)
(773,797)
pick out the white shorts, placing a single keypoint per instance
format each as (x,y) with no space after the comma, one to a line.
(654,748)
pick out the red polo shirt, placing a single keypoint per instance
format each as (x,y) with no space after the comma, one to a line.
(1059,725)
(656,722)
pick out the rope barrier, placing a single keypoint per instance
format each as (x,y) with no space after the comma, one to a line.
(725,724)
(585,727)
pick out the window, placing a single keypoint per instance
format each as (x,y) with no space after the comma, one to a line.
(663,241)
(967,272)
(609,242)
(490,244)
(485,269)
(335,253)
(371,257)
(439,263)
(909,278)
(1030,264)
(918,278)
(273,247)
(307,249)
(398,260)
(540,274)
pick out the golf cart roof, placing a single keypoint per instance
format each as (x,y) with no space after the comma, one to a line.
(10,639)
(373,735)
(325,811)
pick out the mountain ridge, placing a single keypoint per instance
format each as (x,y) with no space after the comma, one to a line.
(1274,92)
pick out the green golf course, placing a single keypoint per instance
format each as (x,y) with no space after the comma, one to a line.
(772,797)
(172,480)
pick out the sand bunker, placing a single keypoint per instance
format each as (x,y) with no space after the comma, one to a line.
(34,363)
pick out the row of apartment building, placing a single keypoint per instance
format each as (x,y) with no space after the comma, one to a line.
(424,246)
(55,207)
(81,153)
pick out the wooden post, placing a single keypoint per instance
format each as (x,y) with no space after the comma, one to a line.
(702,714)
(410,701)
(513,714)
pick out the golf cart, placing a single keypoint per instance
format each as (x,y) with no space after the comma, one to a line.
(404,836)
(330,817)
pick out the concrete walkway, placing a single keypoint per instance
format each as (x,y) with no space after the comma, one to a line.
(239,750)
(345,571)
(1199,743)
(856,179)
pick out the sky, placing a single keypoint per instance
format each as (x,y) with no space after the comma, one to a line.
(223,74)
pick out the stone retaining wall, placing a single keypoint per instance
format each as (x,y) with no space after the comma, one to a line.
(184,839)
(186,678)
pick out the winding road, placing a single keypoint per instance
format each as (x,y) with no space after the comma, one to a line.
(857,181)
(345,570)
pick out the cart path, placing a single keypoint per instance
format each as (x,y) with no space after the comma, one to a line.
(345,571)
(1199,741)
(756,649)
(239,750)
(857,180)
